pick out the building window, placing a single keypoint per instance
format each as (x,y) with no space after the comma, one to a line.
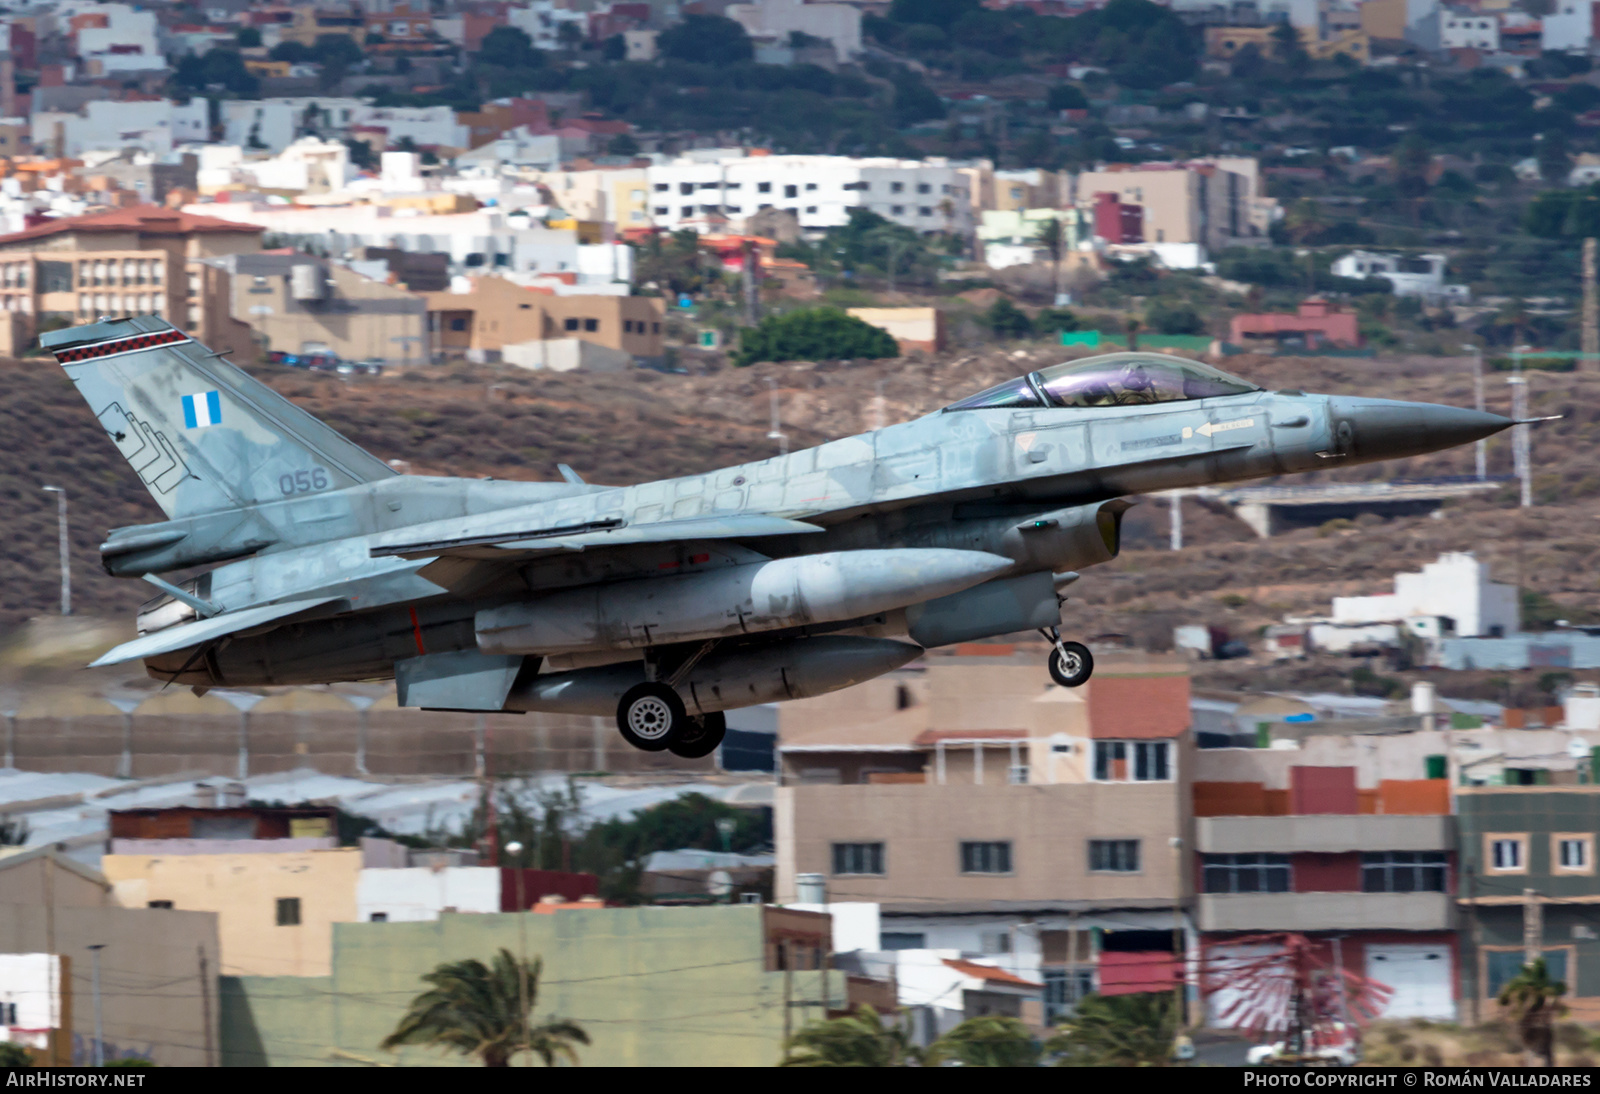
(687,211)
(924,210)
(924,188)
(811,208)
(897,209)
(1507,853)
(1264,873)
(627,325)
(655,328)
(1114,856)
(1572,853)
(663,210)
(591,325)
(289,911)
(569,324)
(791,191)
(986,858)
(458,324)
(663,187)
(763,187)
(378,917)
(165,904)
(1132,761)
(8,1014)
(995,941)
(858,858)
(686,188)
(902,940)
(811,186)
(897,187)
(1403,871)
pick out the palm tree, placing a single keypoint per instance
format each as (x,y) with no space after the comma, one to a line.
(483,1010)
(860,1039)
(1534,1002)
(989,1041)
(1052,236)
(1118,1031)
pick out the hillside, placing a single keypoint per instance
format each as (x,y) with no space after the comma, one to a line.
(643,425)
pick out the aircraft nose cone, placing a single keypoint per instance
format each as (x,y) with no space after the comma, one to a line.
(1384,429)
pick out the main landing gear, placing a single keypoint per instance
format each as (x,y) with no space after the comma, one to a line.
(652,718)
(1071,663)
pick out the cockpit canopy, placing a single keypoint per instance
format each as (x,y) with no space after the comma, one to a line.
(1113,379)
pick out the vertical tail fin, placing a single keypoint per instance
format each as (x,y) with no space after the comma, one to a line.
(201,434)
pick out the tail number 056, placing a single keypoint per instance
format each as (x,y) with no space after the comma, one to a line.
(303,482)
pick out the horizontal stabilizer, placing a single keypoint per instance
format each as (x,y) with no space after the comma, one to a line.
(471,539)
(205,630)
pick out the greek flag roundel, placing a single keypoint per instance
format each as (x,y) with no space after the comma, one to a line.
(202,410)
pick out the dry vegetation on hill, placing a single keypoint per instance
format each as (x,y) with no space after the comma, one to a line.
(643,425)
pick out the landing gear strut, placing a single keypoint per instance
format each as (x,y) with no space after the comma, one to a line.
(1071,663)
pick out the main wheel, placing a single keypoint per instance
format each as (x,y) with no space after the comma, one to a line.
(1071,664)
(701,736)
(651,716)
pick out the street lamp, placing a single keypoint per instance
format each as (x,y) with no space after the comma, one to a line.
(66,560)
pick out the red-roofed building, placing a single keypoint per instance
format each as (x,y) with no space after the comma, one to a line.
(1318,323)
(145,259)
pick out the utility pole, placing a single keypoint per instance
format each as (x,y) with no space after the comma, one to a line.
(775,433)
(205,1002)
(751,274)
(514,849)
(788,991)
(895,247)
(1591,309)
(1520,439)
(1480,448)
(99,1031)
(1475,941)
(1175,514)
(61,536)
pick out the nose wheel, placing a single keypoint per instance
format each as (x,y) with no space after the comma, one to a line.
(1071,663)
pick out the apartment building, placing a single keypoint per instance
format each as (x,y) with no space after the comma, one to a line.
(497,314)
(619,196)
(987,811)
(1527,846)
(709,194)
(140,259)
(1344,837)
(1217,202)
(297,303)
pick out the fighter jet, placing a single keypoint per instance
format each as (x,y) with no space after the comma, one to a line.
(670,602)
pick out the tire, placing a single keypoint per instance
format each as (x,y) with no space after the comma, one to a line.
(701,736)
(651,716)
(1071,664)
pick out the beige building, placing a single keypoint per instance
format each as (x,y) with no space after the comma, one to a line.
(275,909)
(498,313)
(1013,190)
(619,196)
(296,303)
(146,259)
(158,968)
(988,811)
(1217,202)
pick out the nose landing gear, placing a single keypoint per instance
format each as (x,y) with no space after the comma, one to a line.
(1071,663)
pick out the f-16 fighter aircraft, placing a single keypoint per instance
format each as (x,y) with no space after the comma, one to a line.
(670,602)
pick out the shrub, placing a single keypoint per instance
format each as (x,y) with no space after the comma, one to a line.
(813,334)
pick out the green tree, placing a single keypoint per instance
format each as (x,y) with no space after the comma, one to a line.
(707,40)
(296,53)
(939,13)
(1553,157)
(484,1011)
(1286,46)
(1533,1002)
(1007,320)
(14,1055)
(1118,1031)
(1066,97)
(1412,158)
(853,1040)
(1052,320)
(247,38)
(1052,236)
(218,68)
(813,334)
(508,47)
(1170,318)
(990,1041)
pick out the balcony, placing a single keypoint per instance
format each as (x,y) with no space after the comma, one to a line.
(1324,834)
(1326,912)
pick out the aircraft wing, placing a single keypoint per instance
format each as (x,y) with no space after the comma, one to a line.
(469,539)
(185,635)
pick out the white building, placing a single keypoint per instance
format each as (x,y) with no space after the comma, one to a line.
(424,126)
(309,165)
(1461,28)
(129,42)
(707,194)
(273,124)
(153,126)
(1569,28)
(1419,275)
(775,20)
(542,21)
(1455,590)
(418,893)
(513,148)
